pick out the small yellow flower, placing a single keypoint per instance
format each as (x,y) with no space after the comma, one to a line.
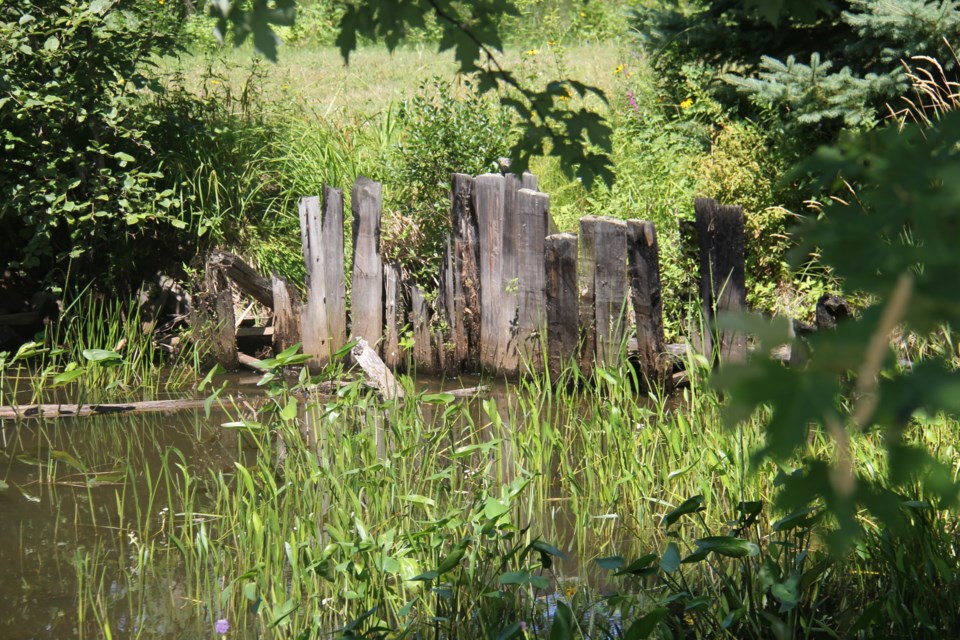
(214,82)
(161,2)
(533,52)
(570,591)
(686,104)
(619,69)
(583,14)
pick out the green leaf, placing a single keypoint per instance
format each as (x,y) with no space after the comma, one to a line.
(688,506)
(102,356)
(514,577)
(728,546)
(642,566)
(611,563)
(68,376)
(562,627)
(670,561)
(643,627)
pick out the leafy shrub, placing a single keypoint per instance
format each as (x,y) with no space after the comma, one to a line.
(447,129)
(74,184)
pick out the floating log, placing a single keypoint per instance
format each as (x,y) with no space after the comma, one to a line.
(722,274)
(643,258)
(611,298)
(532,210)
(377,372)
(561,300)
(220,317)
(287,314)
(489,202)
(367,295)
(465,313)
(394,310)
(243,275)
(82,410)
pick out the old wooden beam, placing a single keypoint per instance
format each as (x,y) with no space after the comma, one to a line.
(465,334)
(720,231)
(424,355)
(247,279)
(561,300)
(488,198)
(83,410)
(532,210)
(367,286)
(643,259)
(394,310)
(586,292)
(323,325)
(220,317)
(611,297)
(378,374)
(287,314)
(508,304)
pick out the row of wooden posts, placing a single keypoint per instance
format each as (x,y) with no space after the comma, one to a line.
(513,296)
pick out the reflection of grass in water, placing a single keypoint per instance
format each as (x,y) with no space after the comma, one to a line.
(362,498)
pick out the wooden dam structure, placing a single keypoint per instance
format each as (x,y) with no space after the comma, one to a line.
(513,295)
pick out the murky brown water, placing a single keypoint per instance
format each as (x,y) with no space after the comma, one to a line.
(52,522)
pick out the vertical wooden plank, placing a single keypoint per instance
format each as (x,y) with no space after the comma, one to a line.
(466,272)
(509,359)
(366,312)
(643,259)
(314,325)
(335,287)
(488,198)
(532,307)
(561,297)
(586,291)
(223,342)
(611,289)
(423,352)
(529,181)
(287,311)
(450,335)
(394,315)
(722,273)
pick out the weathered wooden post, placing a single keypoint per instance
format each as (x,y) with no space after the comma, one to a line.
(510,264)
(323,326)
(423,353)
(532,209)
(561,296)
(287,312)
(465,325)
(219,312)
(611,298)
(394,309)
(643,258)
(367,287)
(722,274)
(586,291)
(489,204)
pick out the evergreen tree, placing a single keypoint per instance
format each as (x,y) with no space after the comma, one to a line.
(835,65)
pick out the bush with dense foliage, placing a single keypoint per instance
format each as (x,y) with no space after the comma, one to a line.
(77,182)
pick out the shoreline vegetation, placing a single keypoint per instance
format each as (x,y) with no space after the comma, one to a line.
(812,498)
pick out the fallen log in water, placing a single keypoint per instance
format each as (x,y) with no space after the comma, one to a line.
(80,410)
